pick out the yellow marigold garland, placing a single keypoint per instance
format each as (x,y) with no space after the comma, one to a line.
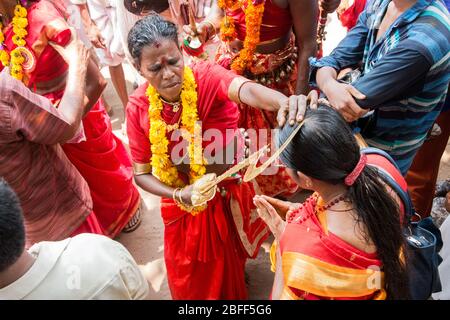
(15,60)
(162,166)
(253,18)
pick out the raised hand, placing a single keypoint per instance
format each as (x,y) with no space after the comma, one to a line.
(74,53)
(202,32)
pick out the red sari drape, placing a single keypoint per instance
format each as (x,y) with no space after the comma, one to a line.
(102,159)
(316,264)
(276,23)
(350,16)
(204,254)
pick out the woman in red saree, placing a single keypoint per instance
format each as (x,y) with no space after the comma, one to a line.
(284,39)
(346,240)
(102,159)
(204,251)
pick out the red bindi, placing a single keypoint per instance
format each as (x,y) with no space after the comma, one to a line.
(157,45)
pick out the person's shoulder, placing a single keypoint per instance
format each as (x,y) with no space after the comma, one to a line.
(138,99)
(90,241)
(96,250)
(432,23)
(206,68)
(430,32)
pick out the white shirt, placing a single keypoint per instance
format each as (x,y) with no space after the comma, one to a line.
(84,267)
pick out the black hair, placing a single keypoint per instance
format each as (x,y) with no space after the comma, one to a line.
(12,229)
(148,31)
(139,7)
(325,149)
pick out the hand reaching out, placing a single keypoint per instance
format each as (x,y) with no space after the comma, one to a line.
(269,214)
(294,108)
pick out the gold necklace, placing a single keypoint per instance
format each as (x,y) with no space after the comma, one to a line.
(175,105)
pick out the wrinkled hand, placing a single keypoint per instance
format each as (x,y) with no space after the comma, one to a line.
(95,36)
(202,32)
(270,216)
(74,53)
(192,194)
(329,6)
(342,98)
(294,108)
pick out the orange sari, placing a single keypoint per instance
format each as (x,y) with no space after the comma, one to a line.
(316,264)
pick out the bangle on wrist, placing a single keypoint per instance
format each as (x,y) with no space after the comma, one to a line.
(180,199)
(174,194)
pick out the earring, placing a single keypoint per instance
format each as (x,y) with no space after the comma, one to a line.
(308,184)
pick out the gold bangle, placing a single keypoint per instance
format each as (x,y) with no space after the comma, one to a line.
(180,199)
(174,194)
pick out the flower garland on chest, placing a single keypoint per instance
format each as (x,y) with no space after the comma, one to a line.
(162,166)
(16,59)
(254,10)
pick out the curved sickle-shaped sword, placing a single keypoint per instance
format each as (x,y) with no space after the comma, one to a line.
(250,163)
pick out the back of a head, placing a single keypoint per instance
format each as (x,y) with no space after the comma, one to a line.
(142,7)
(325,149)
(12,230)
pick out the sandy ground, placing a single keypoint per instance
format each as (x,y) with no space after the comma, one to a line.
(146,243)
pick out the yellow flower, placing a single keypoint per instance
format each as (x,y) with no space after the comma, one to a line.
(20,11)
(17,71)
(16,57)
(4,58)
(18,41)
(19,23)
(162,166)
(20,32)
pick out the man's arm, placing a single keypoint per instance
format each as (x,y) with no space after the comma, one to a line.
(304,15)
(349,52)
(90,27)
(401,70)
(37,119)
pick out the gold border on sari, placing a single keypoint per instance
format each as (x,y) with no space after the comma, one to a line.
(327,280)
(236,213)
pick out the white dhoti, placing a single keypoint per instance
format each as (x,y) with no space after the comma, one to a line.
(114,23)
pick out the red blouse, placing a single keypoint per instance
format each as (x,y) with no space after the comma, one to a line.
(276,22)
(215,110)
